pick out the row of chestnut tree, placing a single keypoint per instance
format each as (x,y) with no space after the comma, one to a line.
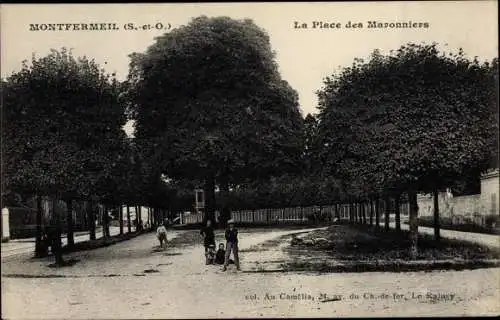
(211,111)
(416,120)
(63,138)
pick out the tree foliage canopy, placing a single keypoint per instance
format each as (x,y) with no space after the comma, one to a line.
(62,127)
(414,118)
(208,99)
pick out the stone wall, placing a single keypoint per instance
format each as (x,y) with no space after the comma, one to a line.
(473,208)
(490,192)
(449,206)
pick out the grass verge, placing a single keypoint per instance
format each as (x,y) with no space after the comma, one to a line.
(351,248)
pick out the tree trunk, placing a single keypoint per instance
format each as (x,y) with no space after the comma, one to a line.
(209,190)
(85,216)
(91,213)
(349,208)
(377,214)
(226,211)
(412,195)
(371,213)
(105,223)
(359,213)
(120,216)
(137,217)
(363,211)
(151,213)
(436,216)
(337,213)
(135,221)
(397,212)
(360,210)
(129,223)
(356,213)
(353,213)
(40,247)
(154,215)
(56,243)
(70,235)
(387,213)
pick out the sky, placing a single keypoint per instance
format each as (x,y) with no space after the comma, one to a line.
(305,55)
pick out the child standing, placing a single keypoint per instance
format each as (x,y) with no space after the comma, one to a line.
(161,234)
(208,235)
(231,245)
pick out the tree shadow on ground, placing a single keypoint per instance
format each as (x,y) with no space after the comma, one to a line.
(66,263)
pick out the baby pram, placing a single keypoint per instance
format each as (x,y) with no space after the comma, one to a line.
(210,254)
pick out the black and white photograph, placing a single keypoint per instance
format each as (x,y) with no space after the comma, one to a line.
(250,160)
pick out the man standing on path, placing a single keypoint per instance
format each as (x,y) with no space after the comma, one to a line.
(207,233)
(231,245)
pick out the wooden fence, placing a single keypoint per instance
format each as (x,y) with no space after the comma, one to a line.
(297,215)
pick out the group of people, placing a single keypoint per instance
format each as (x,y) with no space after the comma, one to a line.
(221,256)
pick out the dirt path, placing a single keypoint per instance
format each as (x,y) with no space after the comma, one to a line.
(27,246)
(183,287)
(490,240)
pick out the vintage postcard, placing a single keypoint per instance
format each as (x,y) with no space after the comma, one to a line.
(250,160)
